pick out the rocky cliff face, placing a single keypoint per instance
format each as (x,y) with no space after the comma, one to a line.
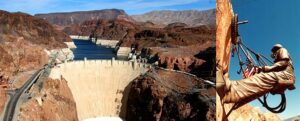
(115,29)
(169,96)
(3,99)
(23,39)
(173,36)
(54,102)
(189,17)
(34,30)
(69,18)
(198,59)
(144,35)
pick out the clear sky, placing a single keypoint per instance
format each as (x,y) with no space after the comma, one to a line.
(130,6)
(271,22)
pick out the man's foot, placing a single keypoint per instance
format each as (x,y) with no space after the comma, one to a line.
(223,82)
(292,87)
(219,79)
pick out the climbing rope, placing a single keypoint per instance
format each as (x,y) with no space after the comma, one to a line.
(252,66)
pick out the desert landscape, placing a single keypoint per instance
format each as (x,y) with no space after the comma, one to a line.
(108,65)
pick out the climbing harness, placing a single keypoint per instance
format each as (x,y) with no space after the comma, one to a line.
(252,66)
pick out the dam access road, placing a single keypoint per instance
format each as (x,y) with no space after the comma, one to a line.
(11,106)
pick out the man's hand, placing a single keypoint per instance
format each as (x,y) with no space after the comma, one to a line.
(258,69)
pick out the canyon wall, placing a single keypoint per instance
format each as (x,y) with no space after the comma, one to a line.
(52,101)
(142,36)
(23,39)
(168,95)
(99,87)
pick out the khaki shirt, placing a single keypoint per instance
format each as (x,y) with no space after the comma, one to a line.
(282,54)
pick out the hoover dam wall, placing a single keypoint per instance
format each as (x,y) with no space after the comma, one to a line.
(99,87)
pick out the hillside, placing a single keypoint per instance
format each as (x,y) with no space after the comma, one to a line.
(22,41)
(190,17)
(69,18)
(159,18)
(141,35)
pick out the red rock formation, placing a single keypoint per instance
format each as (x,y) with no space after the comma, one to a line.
(143,35)
(34,30)
(3,99)
(102,28)
(169,96)
(53,103)
(179,63)
(166,37)
(197,59)
(22,41)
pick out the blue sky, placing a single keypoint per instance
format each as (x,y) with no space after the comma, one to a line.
(130,6)
(271,22)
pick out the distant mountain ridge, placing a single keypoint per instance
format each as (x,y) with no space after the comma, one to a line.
(68,18)
(189,17)
(163,17)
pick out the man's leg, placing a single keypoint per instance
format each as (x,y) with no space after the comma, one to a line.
(246,90)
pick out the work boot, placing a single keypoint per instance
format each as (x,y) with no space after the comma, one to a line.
(292,87)
(223,83)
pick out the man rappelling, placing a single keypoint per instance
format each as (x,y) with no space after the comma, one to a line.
(259,77)
(275,78)
(282,64)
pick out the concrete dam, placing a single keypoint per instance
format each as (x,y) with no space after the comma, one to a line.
(100,87)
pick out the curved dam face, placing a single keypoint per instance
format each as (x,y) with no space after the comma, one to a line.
(99,87)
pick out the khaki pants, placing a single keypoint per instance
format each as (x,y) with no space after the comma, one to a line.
(252,88)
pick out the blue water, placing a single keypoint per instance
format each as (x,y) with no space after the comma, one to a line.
(91,51)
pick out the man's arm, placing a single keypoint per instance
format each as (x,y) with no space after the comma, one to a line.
(278,66)
(282,61)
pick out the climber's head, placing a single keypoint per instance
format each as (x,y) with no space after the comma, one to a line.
(276,47)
